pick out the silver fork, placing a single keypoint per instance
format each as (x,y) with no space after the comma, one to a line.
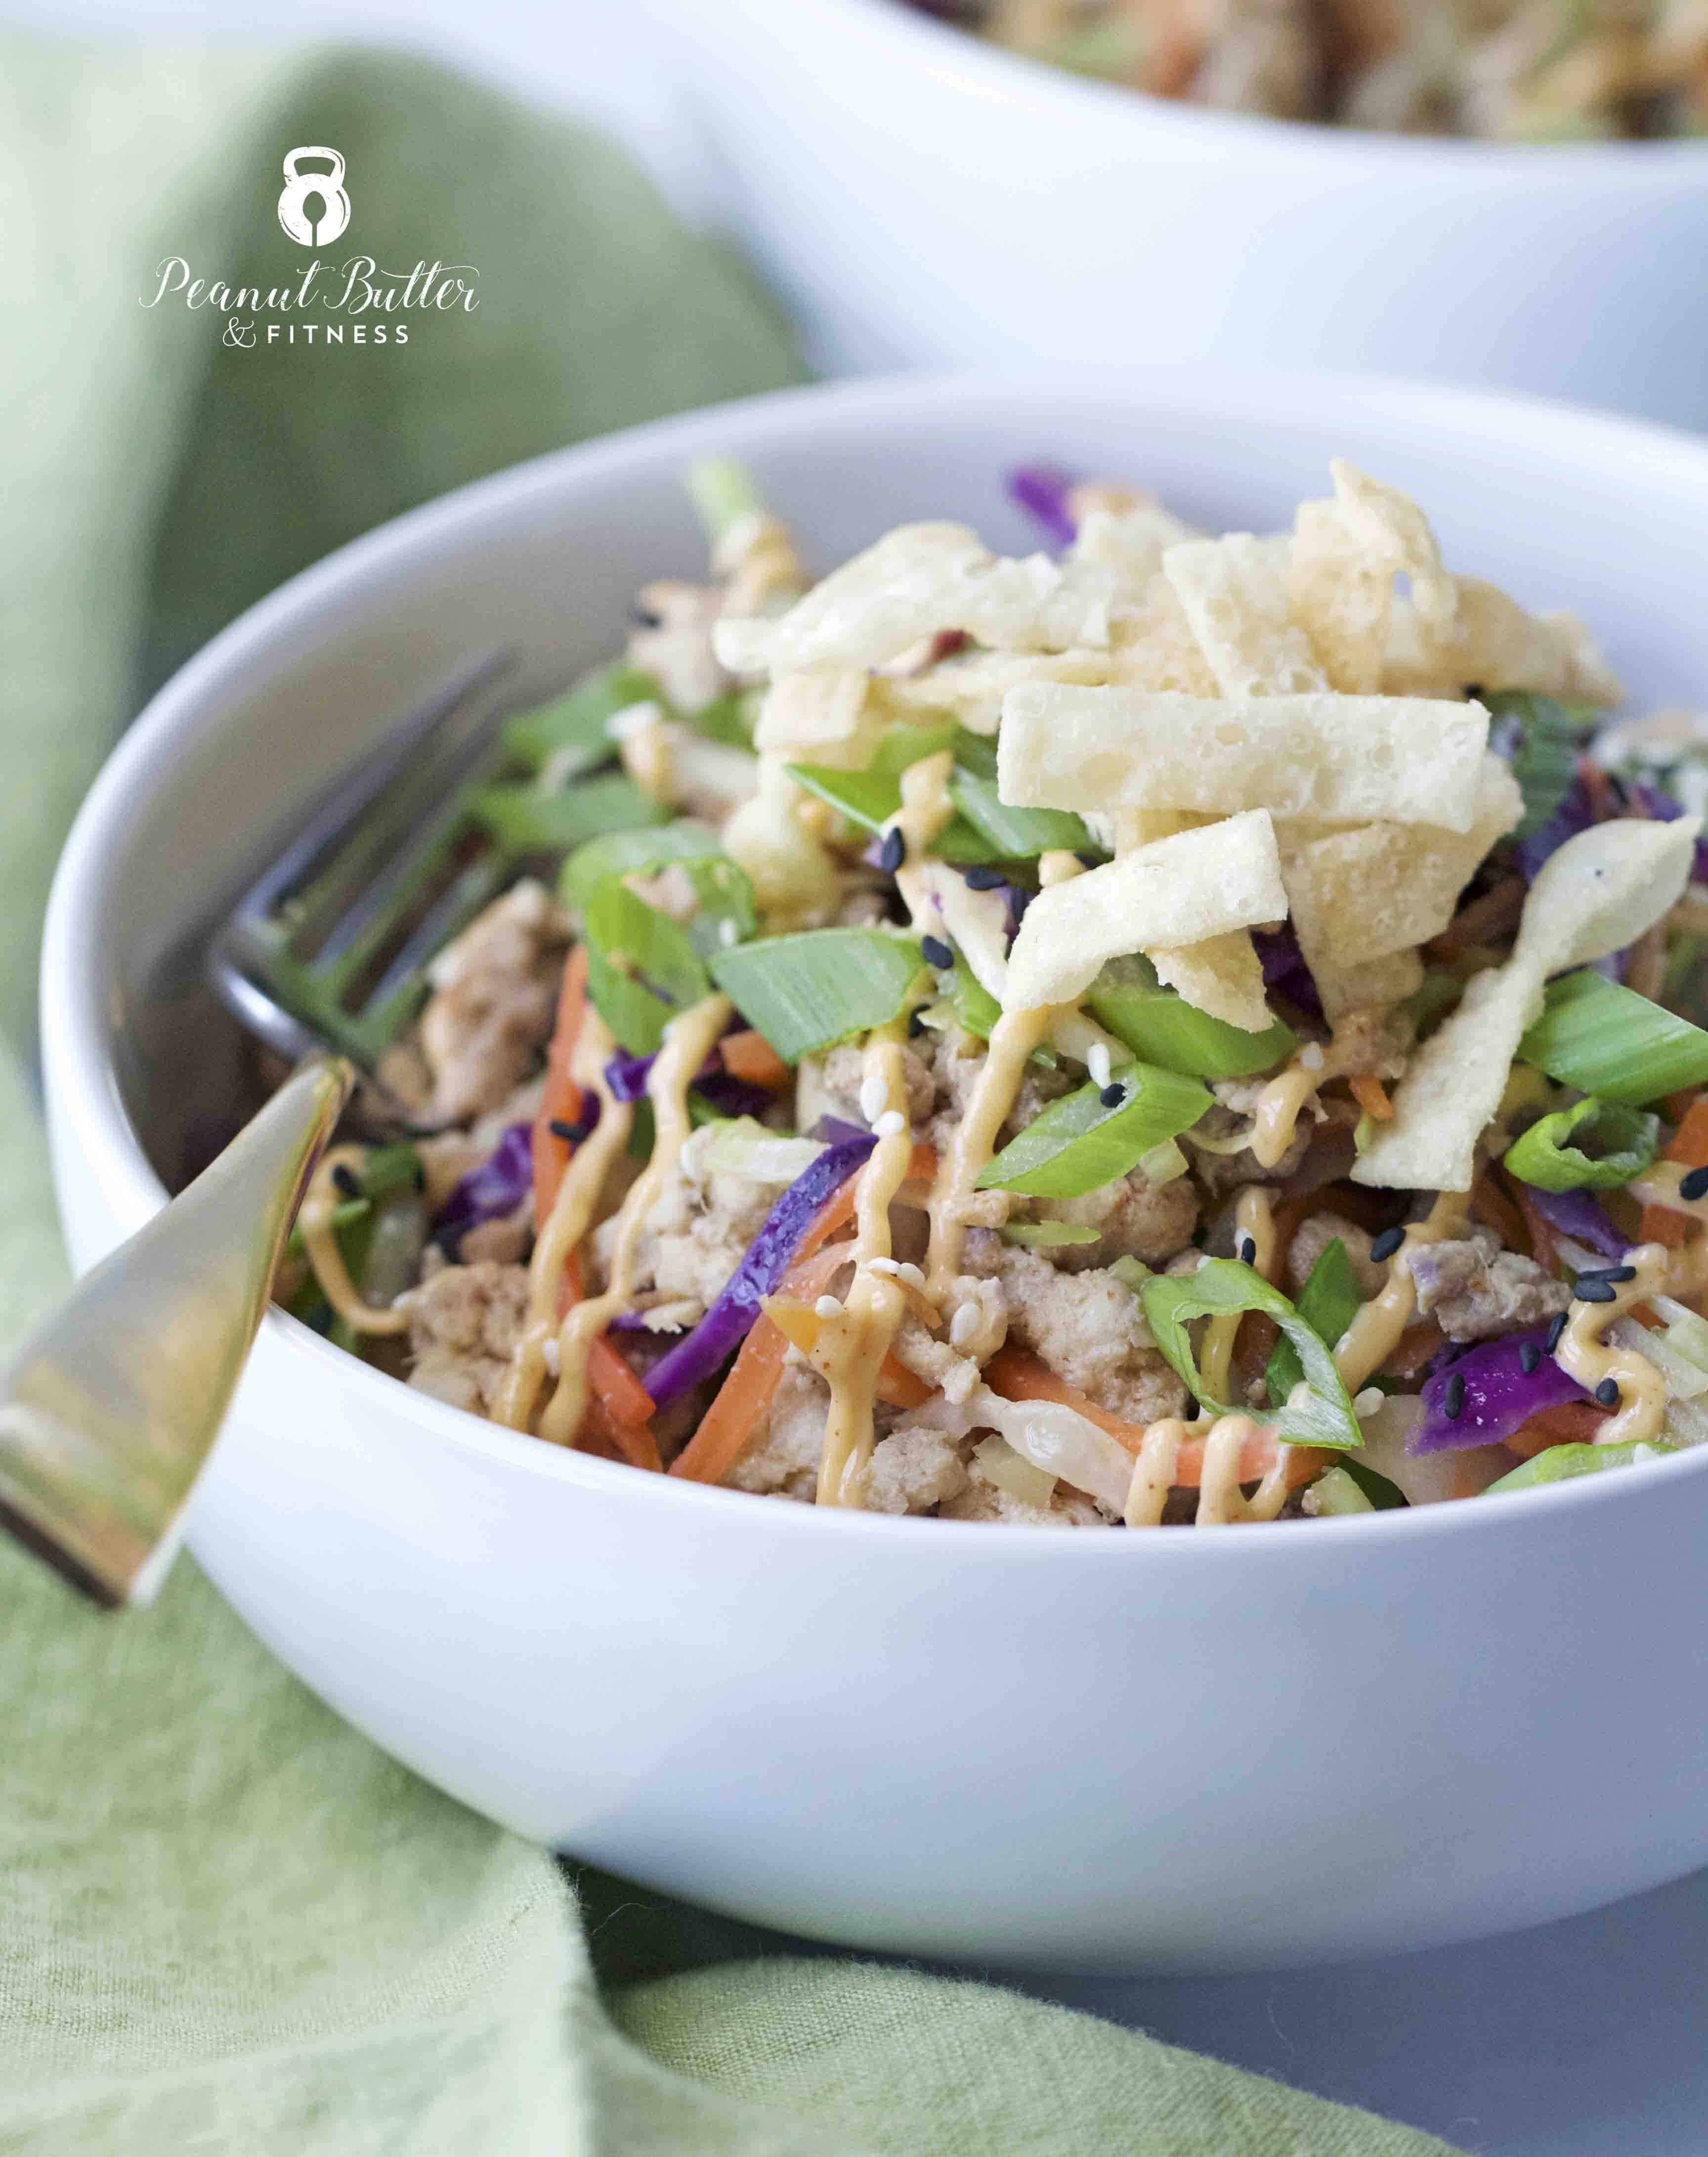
(110,1408)
(295,959)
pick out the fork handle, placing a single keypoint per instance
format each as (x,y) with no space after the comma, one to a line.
(109,1411)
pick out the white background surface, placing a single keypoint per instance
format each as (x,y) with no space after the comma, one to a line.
(1585,2038)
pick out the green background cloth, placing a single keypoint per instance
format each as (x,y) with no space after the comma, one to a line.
(227,1924)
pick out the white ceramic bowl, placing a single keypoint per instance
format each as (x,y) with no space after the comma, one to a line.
(923,198)
(1174,1750)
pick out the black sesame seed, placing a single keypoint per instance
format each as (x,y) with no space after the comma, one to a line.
(982,878)
(345,1182)
(646,618)
(1609,1274)
(916,1026)
(1556,1327)
(560,1128)
(1454,1400)
(893,852)
(1113,1095)
(1530,1357)
(1019,899)
(1248,1250)
(1607,1393)
(1693,1186)
(1386,1244)
(935,952)
(1088,860)
(1593,1291)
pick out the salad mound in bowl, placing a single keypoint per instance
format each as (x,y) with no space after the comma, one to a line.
(1351,1732)
(1163,1029)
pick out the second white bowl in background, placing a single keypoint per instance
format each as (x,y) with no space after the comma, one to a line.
(921,198)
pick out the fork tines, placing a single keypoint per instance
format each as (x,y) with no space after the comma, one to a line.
(329,946)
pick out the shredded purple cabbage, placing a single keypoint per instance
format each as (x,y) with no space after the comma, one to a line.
(627,1075)
(1579,1215)
(1574,815)
(1499,1395)
(836,1131)
(489,1192)
(759,1274)
(1285,968)
(731,1096)
(1042,491)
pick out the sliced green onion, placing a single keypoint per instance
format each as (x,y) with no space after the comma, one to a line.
(1684,1331)
(1016,834)
(1545,739)
(727,719)
(722,492)
(725,913)
(1328,1302)
(1048,1235)
(910,744)
(1164,1164)
(872,798)
(974,1006)
(808,991)
(573,728)
(343,1217)
(641,968)
(631,853)
(538,820)
(1080,1144)
(1133,1271)
(1625,1139)
(1164,1028)
(1383,1496)
(1562,1464)
(1336,1493)
(1321,1415)
(1605,1039)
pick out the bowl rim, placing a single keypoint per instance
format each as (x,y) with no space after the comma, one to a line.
(993,72)
(76,1035)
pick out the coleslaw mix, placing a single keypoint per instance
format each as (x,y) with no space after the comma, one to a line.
(1168,1029)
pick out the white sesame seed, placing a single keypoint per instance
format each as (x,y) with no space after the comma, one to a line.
(889,1123)
(912,1274)
(828,1307)
(873,1093)
(1310,1057)
(1097,1064)
(963,1327)
(548,1355)
(881,1266)
(1368,1401)
(728,932)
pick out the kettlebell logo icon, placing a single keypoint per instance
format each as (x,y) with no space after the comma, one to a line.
(313,207)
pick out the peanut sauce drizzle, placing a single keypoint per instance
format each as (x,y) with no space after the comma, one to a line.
(1375,1333)
(1582,1354)
(688,1040)
(854,1343)
(566,1225)
(315,1219)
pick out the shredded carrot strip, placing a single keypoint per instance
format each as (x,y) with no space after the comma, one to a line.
(1418,1346)
(1371,1096)
(561,1102)
(1491,1206)
(1567,1422)
(896,1385)
(1543,1247)
(751,1057)
(745,1395)
(1689,1147)
(1019,1377)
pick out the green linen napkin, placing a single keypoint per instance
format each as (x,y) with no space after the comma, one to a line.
(227,1924)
